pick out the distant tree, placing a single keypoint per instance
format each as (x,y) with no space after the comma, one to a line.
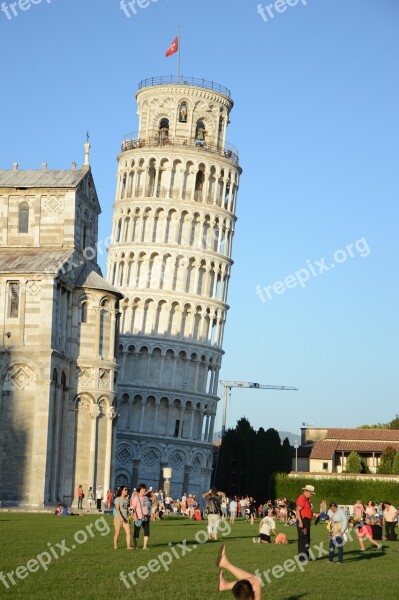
(259,482)
(394,424)
(273,456)
(227,461)
(386,462)
(247,459)
(286,457)
(246,447)
(353,463)
(395,466)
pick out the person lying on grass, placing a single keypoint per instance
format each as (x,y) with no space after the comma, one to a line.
(246,587)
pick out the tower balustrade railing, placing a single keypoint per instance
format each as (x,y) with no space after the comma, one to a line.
(183,80)
(132,141)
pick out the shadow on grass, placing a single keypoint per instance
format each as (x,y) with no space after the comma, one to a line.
(358,556)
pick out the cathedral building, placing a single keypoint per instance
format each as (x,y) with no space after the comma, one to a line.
(173,226)
(59,327)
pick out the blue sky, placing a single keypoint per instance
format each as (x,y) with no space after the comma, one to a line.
(316,123)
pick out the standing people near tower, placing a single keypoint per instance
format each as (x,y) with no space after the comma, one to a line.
(80,497)
(303,514)
(390,519)
(99,497)
(90,497)
(141,515)
(121,517)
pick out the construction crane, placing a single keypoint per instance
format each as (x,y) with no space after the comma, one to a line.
(227,385)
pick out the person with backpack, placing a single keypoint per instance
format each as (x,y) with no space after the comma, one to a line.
(213,500)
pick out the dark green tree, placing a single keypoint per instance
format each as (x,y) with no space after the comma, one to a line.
(246,448)
(353,463)
(226,475)
(394,424)
(259,482)
(272,458)
(395,466)
(386,463)
(286,457)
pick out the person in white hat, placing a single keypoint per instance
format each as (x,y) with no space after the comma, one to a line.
(303,520)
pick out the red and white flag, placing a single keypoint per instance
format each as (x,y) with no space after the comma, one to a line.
(173,48)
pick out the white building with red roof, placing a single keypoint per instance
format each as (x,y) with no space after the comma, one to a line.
(330,448)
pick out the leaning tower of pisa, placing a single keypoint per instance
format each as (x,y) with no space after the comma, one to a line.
(170,255)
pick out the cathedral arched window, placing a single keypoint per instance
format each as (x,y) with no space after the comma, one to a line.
(23,224)
(13,304)
(83,312)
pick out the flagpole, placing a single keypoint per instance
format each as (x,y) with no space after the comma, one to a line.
(178,61)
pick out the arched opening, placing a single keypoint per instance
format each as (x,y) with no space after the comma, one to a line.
(183,111)
(200,133)
(199,185)
(163,130)
(220,131)
(118,231)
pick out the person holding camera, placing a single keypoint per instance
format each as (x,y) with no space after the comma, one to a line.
(304,515)
(213,500)
(141,515)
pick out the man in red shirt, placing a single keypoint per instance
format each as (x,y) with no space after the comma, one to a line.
(303,520)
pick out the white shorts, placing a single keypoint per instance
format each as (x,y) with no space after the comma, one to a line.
(213,522)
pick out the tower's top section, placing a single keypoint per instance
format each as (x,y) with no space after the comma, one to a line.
(182,111)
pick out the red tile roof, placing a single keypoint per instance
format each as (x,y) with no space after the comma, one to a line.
(383,435)
(325,449)
(369,446)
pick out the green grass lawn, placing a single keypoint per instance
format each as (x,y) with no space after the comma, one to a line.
(92,569)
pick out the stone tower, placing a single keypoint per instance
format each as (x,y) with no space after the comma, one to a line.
(173,225)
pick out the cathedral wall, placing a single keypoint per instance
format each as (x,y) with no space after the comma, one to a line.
(23,430)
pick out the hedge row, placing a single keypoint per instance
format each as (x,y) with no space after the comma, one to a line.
(342,491)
